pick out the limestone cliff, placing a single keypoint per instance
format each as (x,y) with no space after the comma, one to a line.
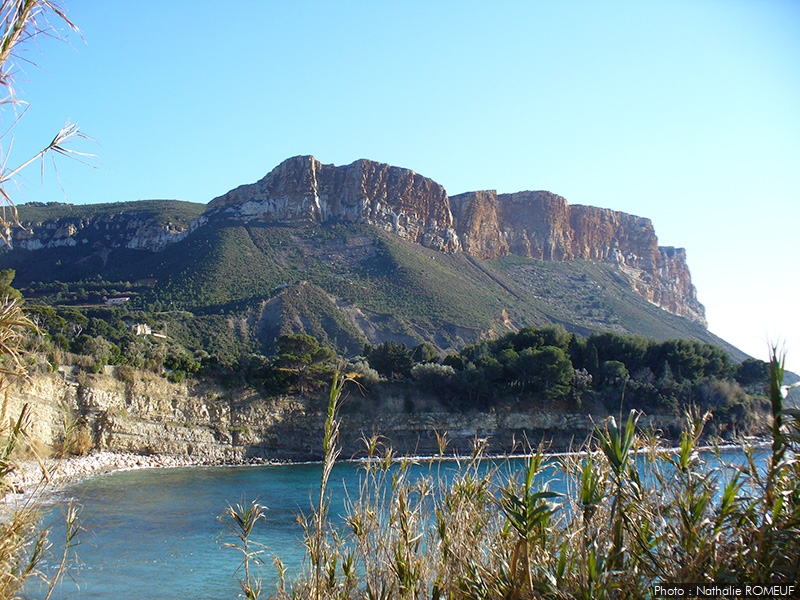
(128,225)
(302,191)
(150,415)
(675,291)
(544,226)
(484,224)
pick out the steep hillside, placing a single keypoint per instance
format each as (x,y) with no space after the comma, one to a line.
(346,284)
(301,191)
(360,253)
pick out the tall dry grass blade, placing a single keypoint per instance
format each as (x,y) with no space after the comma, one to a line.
(240,520)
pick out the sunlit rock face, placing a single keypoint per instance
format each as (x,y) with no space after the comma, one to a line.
(108,230)
(544,226)
(484,224)
(674,291)
(303,191)
(478,223)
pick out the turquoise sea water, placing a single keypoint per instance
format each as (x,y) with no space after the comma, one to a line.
(154,533)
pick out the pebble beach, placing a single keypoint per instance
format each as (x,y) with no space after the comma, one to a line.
(29,475)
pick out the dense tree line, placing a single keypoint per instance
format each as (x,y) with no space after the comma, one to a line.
(547,364)
(609,369)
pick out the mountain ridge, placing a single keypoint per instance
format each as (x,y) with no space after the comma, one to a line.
(385,253)
(483,224)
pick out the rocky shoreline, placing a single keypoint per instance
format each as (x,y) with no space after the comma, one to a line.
(29,477)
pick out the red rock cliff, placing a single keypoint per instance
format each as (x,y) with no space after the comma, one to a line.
(303,191)
(484,224)
(542,225)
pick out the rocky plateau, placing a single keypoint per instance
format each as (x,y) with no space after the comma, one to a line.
(303,192)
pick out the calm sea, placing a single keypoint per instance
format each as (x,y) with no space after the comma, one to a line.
(154,533)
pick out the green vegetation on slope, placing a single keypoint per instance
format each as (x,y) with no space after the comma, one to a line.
(408,280)
(306,308)
(587,296)
(605,370)
(215,269)
(349,282)
(158,212)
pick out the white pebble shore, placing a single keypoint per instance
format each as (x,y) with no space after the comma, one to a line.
(28,476)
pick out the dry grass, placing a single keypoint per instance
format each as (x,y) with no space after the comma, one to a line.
(23,540)
(634,514)
(78,441)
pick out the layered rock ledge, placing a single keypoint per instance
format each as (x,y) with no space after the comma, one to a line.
(151,422)
(301,191)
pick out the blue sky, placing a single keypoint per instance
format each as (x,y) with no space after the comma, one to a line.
(684,112)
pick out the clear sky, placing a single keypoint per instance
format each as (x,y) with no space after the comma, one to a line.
(686,112)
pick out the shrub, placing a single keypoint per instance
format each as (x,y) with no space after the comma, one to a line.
(614,371)
(432,374)
(177,376)
(360,370)
(125,373)
(425,353)
(80,442)
(390,359)
(633,515)
(753,374)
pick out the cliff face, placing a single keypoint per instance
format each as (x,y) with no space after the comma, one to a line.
(675,291)
(154,417)
(484,224)
(302,191)
(542,225)
(128,227)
